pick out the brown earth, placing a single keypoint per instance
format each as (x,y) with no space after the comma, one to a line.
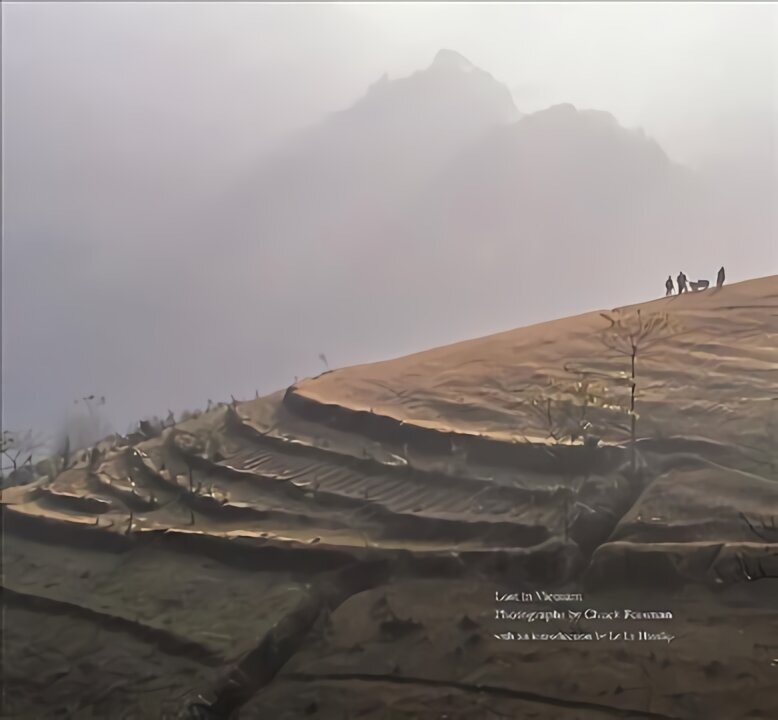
(334,550)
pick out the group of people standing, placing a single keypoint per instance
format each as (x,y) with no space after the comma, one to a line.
(684,284)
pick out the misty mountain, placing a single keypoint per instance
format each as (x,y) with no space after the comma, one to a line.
(339,182)
(437,181)
(558,188)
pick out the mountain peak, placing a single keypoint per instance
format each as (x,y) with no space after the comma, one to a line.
(451,60)
(451,87)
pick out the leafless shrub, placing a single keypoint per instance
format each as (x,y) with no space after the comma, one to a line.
(189,415)
(563,409)
(18,448)
(151,427)
(765,529)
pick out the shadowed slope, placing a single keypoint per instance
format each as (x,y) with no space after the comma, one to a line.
(400,491)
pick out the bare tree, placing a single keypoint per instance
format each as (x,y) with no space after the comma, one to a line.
(18,450)
(87,425)
(633,335)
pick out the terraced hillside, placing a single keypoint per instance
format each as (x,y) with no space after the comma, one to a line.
(349,534)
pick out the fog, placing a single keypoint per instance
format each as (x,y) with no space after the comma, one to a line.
(200,199)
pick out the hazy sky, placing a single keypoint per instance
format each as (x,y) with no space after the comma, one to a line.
(122,121)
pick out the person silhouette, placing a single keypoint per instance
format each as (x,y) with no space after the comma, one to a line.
(720,277)
(669,285)
(682,283)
